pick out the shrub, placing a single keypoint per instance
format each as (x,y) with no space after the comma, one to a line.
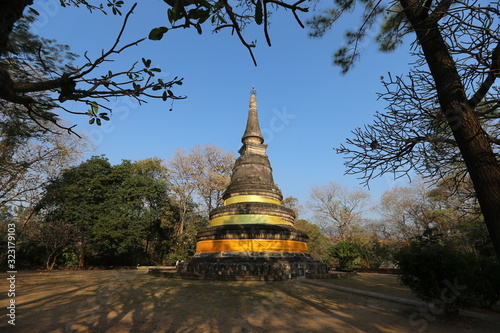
(348,254)
(377,252)
(486,287)
(446,277)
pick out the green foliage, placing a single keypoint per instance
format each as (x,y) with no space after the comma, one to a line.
(376,252)
(26,58)
(318,243)
(392,30)
(348,54)
(486,286)
(24,49)
(122,212)
(157,33)
(69,259)
(38,75)
(348,254)
(190,16)
(445,276)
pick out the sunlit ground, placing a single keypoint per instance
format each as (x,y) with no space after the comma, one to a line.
(132,301)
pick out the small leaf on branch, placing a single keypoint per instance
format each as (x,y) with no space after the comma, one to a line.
(157,33)
(176,10)
(170,15)
(198,28)
(146,62)
(95,108)
(204,17)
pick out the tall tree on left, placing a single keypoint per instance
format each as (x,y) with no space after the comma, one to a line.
(113,208)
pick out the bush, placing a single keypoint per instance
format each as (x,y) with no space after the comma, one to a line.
(486,287)
(376,252)
(446,277)
(348,254)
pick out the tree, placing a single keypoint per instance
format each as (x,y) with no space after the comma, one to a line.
(122,212)
(294,204)
(450,90)
(79,196)
(318,243)
(32,148)
(403,212)
(338,210)
(30,73)
(223,15)
(137,200)
(181,187)
(55,237)
(406,212)
(27,161)
(212,168)
(204,172)
(348,254)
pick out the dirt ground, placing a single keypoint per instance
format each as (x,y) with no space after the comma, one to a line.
(132,301)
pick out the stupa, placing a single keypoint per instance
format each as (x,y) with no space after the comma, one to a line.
(252,236)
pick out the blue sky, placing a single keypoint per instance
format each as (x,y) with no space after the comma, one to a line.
(306,107)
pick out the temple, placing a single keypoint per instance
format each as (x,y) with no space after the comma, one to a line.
(252,236)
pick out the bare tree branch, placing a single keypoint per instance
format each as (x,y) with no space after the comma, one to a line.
(77,85)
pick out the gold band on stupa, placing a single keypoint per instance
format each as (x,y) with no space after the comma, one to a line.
(247,219)
(250,198)
(251,245)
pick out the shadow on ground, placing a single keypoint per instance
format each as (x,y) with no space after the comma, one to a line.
(132,301)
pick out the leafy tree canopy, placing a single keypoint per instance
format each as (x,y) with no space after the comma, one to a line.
(114,208)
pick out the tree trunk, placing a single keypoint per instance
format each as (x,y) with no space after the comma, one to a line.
(182,218)
(51,260)
(474,145)
(81,259)
(53,263)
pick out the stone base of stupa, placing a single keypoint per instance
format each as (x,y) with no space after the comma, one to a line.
(254,266)
(255,259)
